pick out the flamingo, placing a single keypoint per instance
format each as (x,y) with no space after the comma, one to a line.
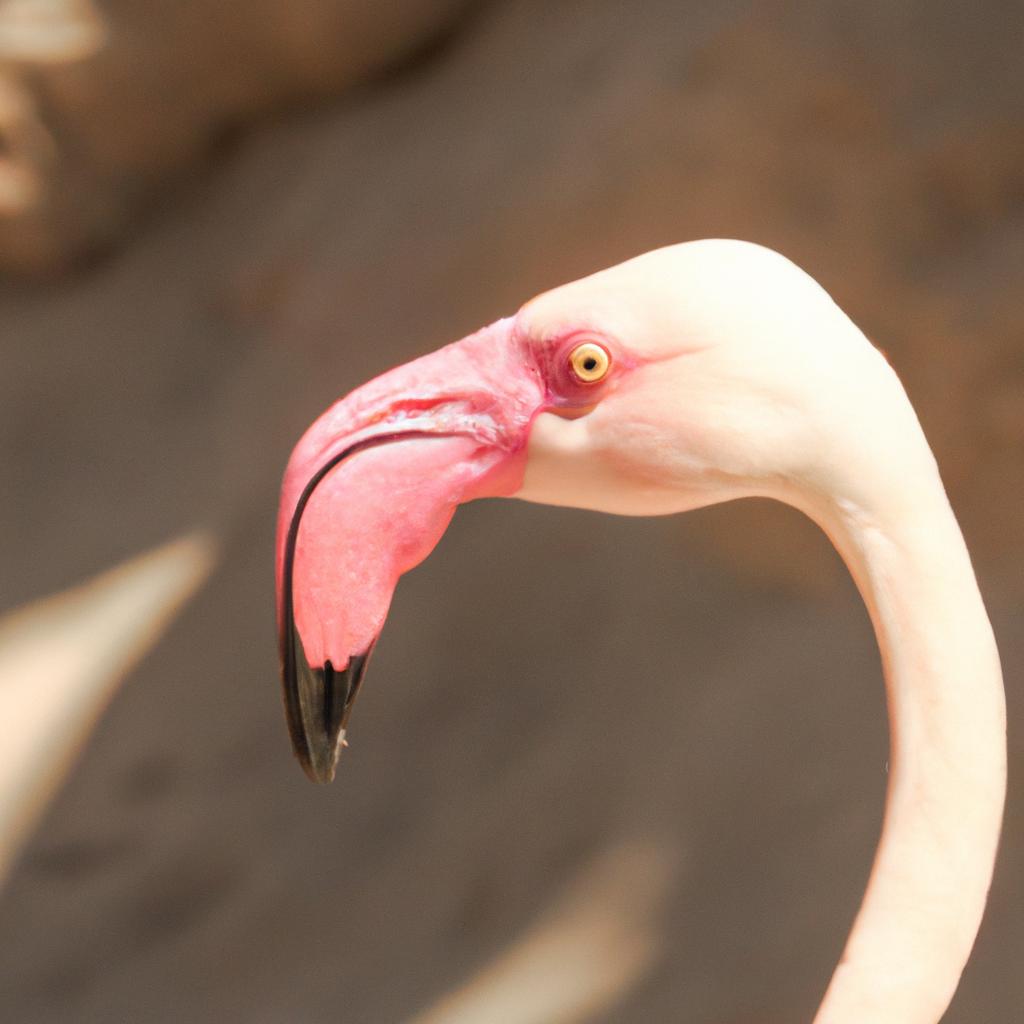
(694,374)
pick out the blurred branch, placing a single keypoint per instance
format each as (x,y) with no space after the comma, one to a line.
(61,660)
(49,31)
(35,32)
(127,93)
(24,145)
(586,953)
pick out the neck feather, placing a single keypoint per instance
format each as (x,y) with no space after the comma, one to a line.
(947,770)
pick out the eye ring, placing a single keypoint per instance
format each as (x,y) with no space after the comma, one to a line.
(589,362)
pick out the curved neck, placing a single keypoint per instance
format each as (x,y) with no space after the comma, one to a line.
(927,890)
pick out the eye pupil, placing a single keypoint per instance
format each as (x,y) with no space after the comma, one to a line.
(589,362)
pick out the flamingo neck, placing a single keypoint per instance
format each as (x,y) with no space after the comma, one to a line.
(947,770)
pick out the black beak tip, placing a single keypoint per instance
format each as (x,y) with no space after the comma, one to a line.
(318,703)
(322,740)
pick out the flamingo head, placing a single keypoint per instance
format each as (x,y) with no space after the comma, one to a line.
(659,385)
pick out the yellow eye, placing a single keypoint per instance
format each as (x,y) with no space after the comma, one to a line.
(589,362)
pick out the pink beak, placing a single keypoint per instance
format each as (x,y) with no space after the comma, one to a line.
(367,494)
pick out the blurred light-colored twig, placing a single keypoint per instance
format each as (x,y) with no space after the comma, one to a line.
(61,660)
(597,942)
(50,31)
(33,33)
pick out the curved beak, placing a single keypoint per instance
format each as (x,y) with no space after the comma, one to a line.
(367,494)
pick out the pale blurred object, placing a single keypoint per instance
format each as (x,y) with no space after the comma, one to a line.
(49,31)
(136,91)
(61,660)
(25,147)
(35,32)
(579,959)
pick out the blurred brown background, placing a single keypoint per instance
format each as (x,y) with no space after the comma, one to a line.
(215,218)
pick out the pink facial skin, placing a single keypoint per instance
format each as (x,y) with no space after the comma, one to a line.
(563,392)
(467,410)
